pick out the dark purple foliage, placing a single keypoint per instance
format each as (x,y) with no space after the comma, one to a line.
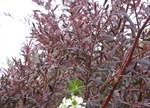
(103,46)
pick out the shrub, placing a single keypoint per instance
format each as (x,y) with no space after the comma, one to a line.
(105,48)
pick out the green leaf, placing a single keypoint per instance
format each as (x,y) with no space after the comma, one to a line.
(75,87)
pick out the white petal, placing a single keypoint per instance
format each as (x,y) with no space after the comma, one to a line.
(64,100)
(79,100)
(61,106)
(68,102)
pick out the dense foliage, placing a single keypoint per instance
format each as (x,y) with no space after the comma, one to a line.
(100,53)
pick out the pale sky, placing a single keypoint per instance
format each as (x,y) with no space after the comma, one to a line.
(14,30)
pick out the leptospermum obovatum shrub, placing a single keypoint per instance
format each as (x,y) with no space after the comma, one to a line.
(105,48)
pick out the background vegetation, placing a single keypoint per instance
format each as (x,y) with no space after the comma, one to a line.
(101,53)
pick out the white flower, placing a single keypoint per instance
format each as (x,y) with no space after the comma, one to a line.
(67,102)
(73,102)
(78,100)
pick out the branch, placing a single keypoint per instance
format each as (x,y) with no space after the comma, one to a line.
(141,53)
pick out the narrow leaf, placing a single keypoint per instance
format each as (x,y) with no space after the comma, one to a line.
(143,61)
(105,2)
(125,15)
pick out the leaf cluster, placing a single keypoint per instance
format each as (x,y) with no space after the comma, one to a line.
(105,47)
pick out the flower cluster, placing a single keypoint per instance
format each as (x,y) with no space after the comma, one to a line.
(73,102)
